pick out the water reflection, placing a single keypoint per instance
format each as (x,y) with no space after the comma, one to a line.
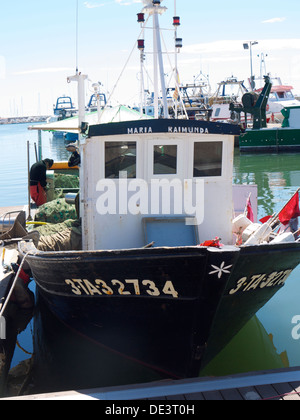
(17,320)
(277,177)
(66,360)
(55,146)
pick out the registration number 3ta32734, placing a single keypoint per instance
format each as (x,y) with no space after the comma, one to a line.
(116,287)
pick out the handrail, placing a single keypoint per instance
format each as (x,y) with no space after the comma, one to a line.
(6,224)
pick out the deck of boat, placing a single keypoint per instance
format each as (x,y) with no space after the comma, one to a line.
(281,384)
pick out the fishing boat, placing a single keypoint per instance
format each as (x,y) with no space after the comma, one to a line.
(97,100)
(160,280)
(195,98)
(64,108)
(282,138)
(281,96)
(263,137)
(229,91)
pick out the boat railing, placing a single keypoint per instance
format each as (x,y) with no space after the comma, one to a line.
(7,220)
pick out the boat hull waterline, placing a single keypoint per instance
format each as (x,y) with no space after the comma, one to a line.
(169,309)
(270,140)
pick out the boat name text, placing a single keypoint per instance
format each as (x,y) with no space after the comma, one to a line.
(172,130)
(260,281)
(116,287)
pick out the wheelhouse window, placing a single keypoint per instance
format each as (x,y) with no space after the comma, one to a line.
(165,160)
(120,157)
(272,96)
(208,159)
(218,111)
(289,95)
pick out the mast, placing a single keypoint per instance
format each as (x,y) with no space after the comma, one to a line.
(141,47)
(154,8)
(79,78)
(176,23)
(178,45)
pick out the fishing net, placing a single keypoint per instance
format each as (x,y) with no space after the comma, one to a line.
(61,229)
(57,221)
(65,236)
(56,211)
(66,181)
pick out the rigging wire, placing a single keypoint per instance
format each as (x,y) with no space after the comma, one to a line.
(122,72)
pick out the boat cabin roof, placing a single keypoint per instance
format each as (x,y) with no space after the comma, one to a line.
(64,102)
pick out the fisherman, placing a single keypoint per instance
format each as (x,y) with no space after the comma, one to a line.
(38,181)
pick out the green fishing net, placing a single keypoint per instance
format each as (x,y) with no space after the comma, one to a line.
(57,221)
(56,211)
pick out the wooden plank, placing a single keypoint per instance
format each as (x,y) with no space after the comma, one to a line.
(231,395)
(198,396)
(249,393)
(175,397)
(286,391)
(267,392)
(296,386)
(212,396)
(253,386)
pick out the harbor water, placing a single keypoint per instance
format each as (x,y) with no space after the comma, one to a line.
(270,340)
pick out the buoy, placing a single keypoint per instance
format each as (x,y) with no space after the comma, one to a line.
(261,234)
(250,230)
(239,224)
(283,238)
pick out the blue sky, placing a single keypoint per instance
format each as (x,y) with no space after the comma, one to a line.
(37,47)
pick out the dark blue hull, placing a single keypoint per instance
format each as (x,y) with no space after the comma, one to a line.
(168,309)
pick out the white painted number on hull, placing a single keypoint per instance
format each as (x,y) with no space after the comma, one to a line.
(133,287)
(260,281)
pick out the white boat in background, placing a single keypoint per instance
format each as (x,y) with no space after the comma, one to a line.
(281,95)
(230,90)
(97,100)
(64,108)
(193,100)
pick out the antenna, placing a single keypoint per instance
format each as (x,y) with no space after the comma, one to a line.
(263,68)
(77,30)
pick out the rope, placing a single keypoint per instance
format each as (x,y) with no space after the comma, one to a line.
(281,396)
(21,348)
